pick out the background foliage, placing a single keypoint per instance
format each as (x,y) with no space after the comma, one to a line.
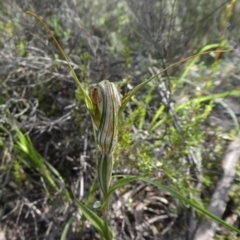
(125,42)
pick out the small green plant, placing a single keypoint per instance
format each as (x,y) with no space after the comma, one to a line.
(106,107)
(32,159)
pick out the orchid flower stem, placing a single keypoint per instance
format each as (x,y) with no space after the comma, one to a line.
(105,175)
(105,220)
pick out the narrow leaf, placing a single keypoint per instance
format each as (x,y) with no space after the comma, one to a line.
(66,228)
(190,202)
(85,95)
(195,59)
(207,98)
(92,217)
(128,179)
(128,96)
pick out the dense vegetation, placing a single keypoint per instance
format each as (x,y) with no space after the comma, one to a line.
(178,130)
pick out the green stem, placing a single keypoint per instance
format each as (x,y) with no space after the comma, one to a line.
(105,165)
(105,220)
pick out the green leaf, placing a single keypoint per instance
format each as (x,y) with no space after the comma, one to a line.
(195,59)
(231,113)
(66,228)
(153,125)
(24,145)
(34,159)
(96,221)
(57,174)
(128,96)
(203,51)
(190,202)
(128,179)
(122,182)
(97,205)
(143,107)
(207,98)
(84,93)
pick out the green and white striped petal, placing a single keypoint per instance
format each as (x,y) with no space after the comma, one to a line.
(107,100)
